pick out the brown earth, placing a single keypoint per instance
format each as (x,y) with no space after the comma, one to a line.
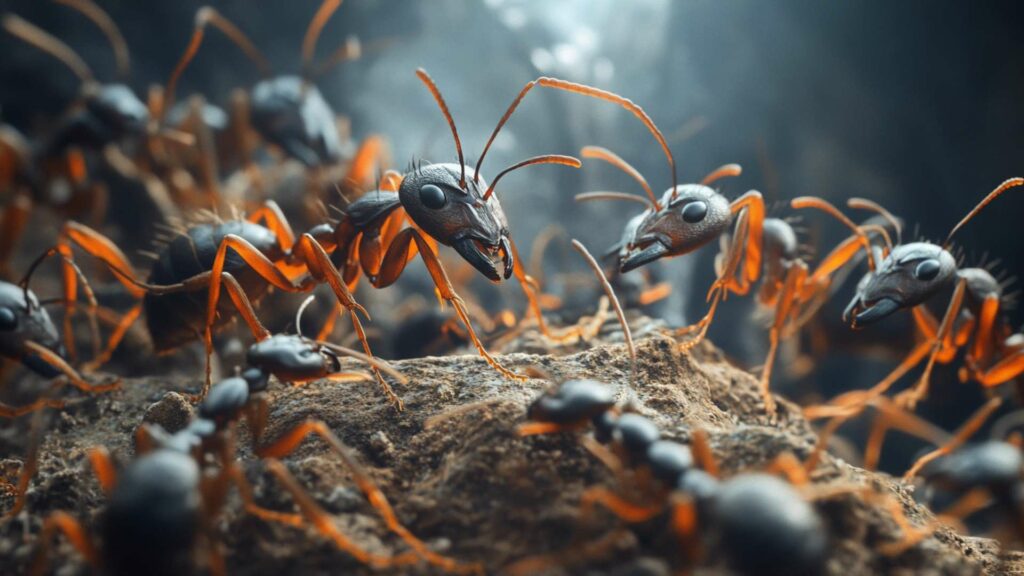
(460,478)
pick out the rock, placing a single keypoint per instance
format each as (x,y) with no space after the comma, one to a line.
(172,412)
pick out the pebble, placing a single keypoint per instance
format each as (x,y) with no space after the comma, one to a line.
(172,412)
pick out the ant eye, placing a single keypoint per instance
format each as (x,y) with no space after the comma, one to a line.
(927,270)
(695,211)
(432,197)
(8,320)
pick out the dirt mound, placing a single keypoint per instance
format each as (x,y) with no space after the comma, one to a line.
(461,479)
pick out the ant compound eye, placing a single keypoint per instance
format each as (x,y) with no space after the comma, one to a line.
(432,197)
(927,270)
(695,211)
(8,320)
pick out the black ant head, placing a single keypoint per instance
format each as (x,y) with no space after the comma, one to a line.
(460,217)
(697,215)
(117,107)
(291,357)
(22,319)
(292,113)
(573,401)
(909,275)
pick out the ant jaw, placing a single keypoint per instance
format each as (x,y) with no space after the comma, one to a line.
(649,254)
(858,315)
(471,251)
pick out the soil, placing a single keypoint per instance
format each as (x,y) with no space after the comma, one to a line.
(460,478)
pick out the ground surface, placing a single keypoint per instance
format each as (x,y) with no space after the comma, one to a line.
(460,478)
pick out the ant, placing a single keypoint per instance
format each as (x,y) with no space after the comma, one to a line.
(907,276)
(287,111)
(28,336)
(690,216)
(169,495)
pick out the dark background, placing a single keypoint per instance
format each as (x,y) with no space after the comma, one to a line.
(913,104)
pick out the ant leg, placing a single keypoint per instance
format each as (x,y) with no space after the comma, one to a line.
(101,248)
(332,319)
(539,428)
(270,214)
(530,287)
(982,350)
(257,411)
(784,308)
(54,360)
(321,268)
(325,526)
(621,508)
(103,468)
(115,339)
(12,224)
(942,341)
(1002,371)
(73,531)
(8,411)
(237,475)
(962,435)
(28,470)
(789,466)
(370,156)
(287,443)
(969,503)
(700,444)
(892,416)
(395,260)
(754,204)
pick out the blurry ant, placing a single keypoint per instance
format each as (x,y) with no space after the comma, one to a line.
(169,496)
(908,275)
(689,216)
(288,111)
(28,336)
(680,484)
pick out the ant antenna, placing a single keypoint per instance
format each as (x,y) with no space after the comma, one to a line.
(298,314)
(625,103)
(508,113)
(204,16)
(587,196)
(611,297)
(106,24)
(352,49)
(1010,183)
(35,36)
(429,82)
(615,160)
(723,171)
(828,208)
(547,159)
(865,204)
(316,26)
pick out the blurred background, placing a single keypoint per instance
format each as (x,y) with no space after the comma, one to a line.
(912,104)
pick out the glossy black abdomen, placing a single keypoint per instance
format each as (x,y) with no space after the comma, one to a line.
(178,318)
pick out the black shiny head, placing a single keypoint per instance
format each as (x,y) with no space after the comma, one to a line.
(118,108)
(292,358)
(460,217)
(697,215)
(24,320)
(225,400)
(574,401)
(910,275)
(993,465)
(635,434)
(292,113)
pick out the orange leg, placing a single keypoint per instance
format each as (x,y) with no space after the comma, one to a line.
(1006,369)
(892,416)
(271,216)
(942,341)
(103,467)
(530,288)
(115,339)
(962,435)
(73,531)
(398,255)
(539,428)
(969,503)
(51,358)
(287,443)
(983,347)
(702,453)
(28,470)
(784,309)
(789,466)
(623,509)
(754,204)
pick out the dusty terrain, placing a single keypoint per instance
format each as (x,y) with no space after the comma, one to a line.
(461,479)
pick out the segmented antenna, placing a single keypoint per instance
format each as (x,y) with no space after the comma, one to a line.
(35,36)
(614,159)
(610,292)
(429,82)
(109,28)
(547,159)
(316,26)
(828,208)
(1006,185)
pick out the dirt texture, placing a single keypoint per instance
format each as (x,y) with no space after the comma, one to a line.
(459,476)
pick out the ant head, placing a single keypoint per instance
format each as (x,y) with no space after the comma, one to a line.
(689,217)
(117,106)
(291,357)
(460,217)
(573,401)
(909,275)
(292,113)
(22,319)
